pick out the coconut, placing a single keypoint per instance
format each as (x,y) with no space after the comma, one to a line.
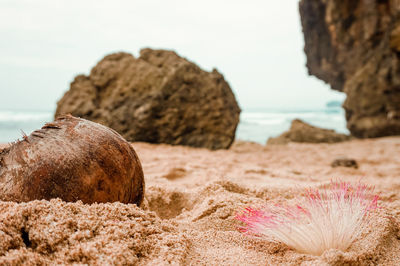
(72,159)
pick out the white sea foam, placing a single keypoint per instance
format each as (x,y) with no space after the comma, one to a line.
(13,122)
(12,116)
(258,125)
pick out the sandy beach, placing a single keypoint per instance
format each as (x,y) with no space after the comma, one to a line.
(157,133)
(192,196)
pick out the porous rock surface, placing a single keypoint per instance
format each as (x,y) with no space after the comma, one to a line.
(302,132)
(159,97)
(355,47)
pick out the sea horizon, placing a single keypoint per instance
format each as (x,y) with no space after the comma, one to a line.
(256,124)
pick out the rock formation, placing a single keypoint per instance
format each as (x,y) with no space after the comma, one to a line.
(158,98)
(355,47)
(302,132)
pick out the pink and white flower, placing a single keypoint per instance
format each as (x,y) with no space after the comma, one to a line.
(328,218)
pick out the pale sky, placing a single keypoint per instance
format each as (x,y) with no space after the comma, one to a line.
(256,44)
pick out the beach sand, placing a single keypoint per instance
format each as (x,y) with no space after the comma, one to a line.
(192,197)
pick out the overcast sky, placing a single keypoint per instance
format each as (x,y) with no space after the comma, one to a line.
(256,44)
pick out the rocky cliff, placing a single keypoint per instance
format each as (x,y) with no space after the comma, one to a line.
(159,97)
(354,46)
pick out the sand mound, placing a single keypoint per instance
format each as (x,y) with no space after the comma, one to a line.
(192,198)
(42,232)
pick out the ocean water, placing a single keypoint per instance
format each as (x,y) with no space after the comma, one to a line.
(255,125)
(259,125)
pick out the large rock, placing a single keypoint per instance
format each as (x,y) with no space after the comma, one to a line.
(302,132)
(158,98)
(355,47)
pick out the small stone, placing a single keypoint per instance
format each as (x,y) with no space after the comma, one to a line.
(344,162)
